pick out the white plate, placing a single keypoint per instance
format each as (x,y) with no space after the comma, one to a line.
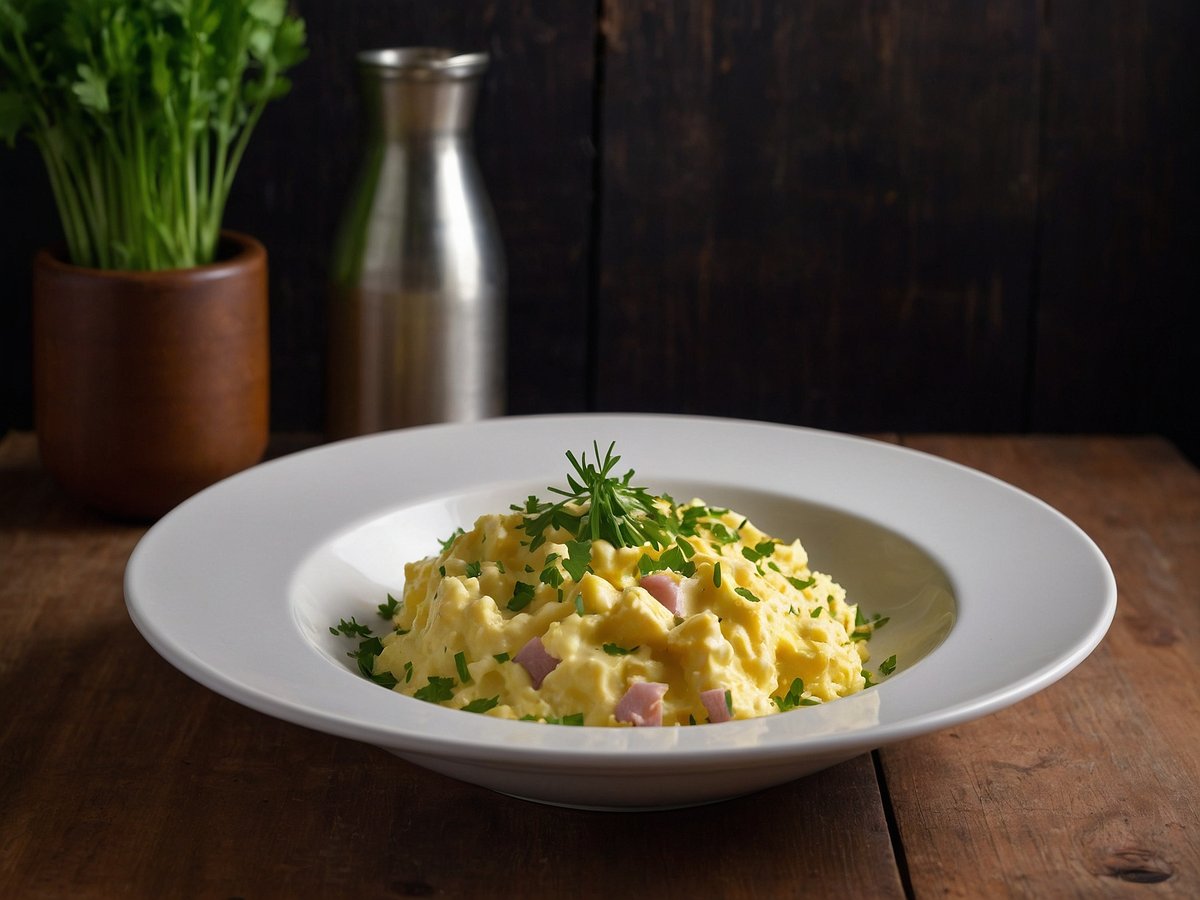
(992,594)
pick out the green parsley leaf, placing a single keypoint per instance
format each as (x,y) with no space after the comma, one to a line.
(408,670)
(551,576)
(888,666)
(385,679)
(482,704)
(351,629)
(579,557)
(522,596)
(617,512)
(365,656)
(617,650)
(573,719)
(388,610)
(460,663)
(720,533)
(799,584)
(745,592)
(474,569)
(717,575)
(793,699)
(675,560)
(501,657)
(817,611)
(437,690)
(449,542)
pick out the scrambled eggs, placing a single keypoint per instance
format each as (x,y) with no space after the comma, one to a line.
(723,621)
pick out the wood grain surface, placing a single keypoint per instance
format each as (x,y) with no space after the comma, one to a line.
(120,776)
(1089,788)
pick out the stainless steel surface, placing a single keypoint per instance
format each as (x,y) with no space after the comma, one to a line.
(417,303)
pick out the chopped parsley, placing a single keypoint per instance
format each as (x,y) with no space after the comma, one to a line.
(501,657)
(888,666)
(482,704)
(793,699)
(351,629)
(800,585)
(388,610)
(474,569)
(747,593)
(717,575)
(460,664)
(522,596)
(761,550)
(437,690)
(447,543)
(579,559)
(617,650)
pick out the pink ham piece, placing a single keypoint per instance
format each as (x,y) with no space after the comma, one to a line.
(665,590)
(537,662)
(714,702)
(642,704)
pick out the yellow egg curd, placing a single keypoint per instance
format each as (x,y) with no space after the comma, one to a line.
(716,609)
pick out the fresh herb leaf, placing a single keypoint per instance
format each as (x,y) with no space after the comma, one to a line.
(761,550)
(745,592)
(551,576)
(888,666)
(800,584)
(438,690)
(675,560)
(351,629)
(616,511)
(460,663)
(793,699)
(474,569)
(501,657)
(388,610)
(717,575)
(573,719)
(618,650)
(408,672)
(579,558)
(447,543)
(482,704)
(522,596)
(384,679)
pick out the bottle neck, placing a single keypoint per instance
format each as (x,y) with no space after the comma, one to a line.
(401,108)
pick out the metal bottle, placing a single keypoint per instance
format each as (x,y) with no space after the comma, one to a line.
(417,307)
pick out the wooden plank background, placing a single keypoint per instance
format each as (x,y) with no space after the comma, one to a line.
(861,215)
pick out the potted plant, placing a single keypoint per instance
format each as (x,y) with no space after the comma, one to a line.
(150,325)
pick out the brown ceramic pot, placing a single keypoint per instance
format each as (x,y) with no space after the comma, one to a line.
(149,386)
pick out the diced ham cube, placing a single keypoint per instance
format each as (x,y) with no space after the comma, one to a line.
(714,702)
(537,662)
(665,590)
(642,704)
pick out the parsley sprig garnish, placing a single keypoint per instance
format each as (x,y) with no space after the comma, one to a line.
(616,511)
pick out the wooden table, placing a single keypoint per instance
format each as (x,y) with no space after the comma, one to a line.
(121,777)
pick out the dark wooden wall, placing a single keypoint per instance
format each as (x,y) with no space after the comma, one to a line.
(854,215)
